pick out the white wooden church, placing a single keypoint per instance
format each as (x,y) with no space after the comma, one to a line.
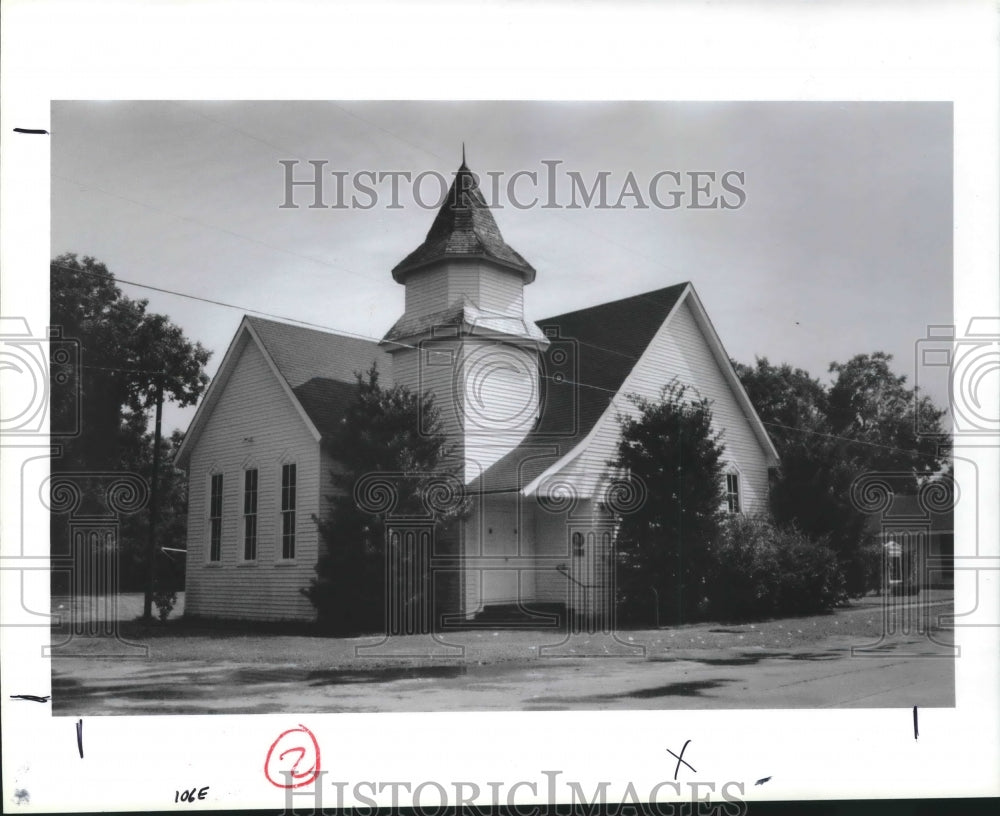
(532,410)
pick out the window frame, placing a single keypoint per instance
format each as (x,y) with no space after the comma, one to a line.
(216,503)
(251,514)
(734,493)
(287,526)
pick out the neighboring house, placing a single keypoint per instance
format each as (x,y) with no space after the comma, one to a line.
(531,409)
(918,534)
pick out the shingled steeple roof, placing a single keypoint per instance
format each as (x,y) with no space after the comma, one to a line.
(464,228)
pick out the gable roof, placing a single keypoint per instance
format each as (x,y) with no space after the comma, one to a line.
(320,367)
(607,340)
(315,368)
(603,344)
(464,228)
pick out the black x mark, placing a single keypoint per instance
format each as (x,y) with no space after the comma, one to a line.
(680,759)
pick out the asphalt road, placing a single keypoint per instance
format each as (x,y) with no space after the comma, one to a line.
(687,672)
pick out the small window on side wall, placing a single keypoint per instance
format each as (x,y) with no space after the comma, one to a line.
(250,515)
(733,493)
(288,477)
(215,518)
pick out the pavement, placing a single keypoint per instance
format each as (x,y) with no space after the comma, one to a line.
(849,659)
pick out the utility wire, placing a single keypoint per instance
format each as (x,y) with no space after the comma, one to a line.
(560,381)
(844,439)
(212,302)
(124,370)
(176,293)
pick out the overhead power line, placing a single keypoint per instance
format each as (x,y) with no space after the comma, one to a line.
(559,380)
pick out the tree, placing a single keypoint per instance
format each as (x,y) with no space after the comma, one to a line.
(870,404)
(124,349)
(671,449)
(171,525)
(392,448)
(786,398)
(827,436)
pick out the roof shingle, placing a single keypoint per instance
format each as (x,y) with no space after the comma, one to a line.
(589,356)
(464,228)
(320,367)
(591,352)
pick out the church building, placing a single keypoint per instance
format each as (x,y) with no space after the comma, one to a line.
(531,410)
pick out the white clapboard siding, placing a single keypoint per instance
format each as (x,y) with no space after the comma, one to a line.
(499,291)
(472,548)
(252,405)
(552,543)
(488,287)
(433,369)
(679,350)
(405,367)
(500,401)
(426,292)
(486,393)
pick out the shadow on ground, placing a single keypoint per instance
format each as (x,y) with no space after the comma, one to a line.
(200,685)
(753,658)
(693,688)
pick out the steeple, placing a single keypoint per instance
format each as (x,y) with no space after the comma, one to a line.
(464,229)
(463,336)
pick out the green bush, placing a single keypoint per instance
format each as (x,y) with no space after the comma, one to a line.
(761,570)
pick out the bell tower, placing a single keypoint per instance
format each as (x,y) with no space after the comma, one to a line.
(463,336)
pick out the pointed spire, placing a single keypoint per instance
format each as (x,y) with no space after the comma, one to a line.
(464,228)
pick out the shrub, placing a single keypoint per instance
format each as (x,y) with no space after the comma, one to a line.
(393,440)
(348,592)
(761,570)
(672,455)
(165,600)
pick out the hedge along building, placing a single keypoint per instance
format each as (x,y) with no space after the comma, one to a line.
(531,410)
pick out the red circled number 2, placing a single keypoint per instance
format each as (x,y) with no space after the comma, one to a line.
(279,768)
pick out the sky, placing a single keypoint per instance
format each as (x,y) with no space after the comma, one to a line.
(841,245)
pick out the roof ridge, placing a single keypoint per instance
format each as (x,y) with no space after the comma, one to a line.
(639,296)
(314,329)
